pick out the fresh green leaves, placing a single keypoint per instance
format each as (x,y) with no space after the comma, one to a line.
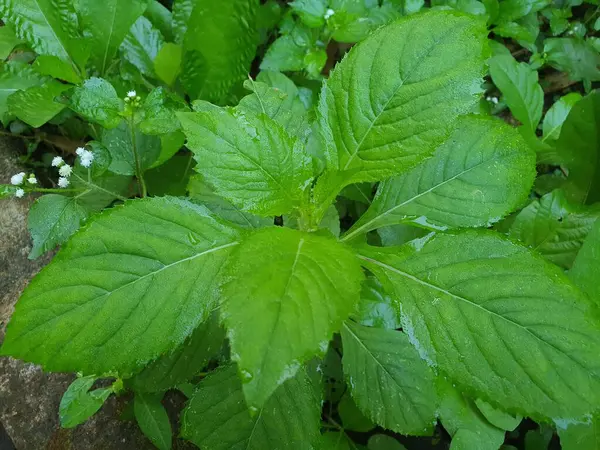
(557,114)
(35,106)
(153,419)
(585,268)
(79,403)
(95,308)
(483,308)
(97,101)
(481,173)
(281,307)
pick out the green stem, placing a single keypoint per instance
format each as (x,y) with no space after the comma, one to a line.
(91,185)
(138,167)
(58,190)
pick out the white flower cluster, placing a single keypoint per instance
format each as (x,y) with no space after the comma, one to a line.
(493,100)
(18,179)
(64,170)
(330,12)
(85,156)
(133,99)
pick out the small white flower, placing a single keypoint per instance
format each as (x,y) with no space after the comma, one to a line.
(57,161)
(17,179)
(80,151)
(32,179)
(495,100)
(63,182)
(132,94)
(86,158)
(330,12)
(19,193)
(65,171)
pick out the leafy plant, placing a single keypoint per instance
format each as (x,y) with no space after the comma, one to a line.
(271,287)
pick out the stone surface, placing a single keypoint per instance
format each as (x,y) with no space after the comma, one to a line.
(29,398)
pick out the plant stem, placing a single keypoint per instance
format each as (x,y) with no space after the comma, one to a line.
(91,185)
(138,167)
(58,190)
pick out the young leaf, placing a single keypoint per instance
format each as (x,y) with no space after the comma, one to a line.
(95,307)
(78,404)
(106,24)
(484,308)
(49,26)
(520,88)
(311,12)
(217,417)
(554,228)
(153,420)
(141,46)
(587,265)
(510,10)
(481,173)
(468,428)
(580,436)
(497,417)
(389,381)
(557,114)
(285,54)
(281,307)
(35,106)
(183,363)
(387,106)
(15,77)
(52,220)
(249,159)
(97,101)
(211,71)
(120,143)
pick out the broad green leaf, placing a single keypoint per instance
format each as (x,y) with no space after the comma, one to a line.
(554,228)
(311,12)
(161,17)
(580,436)
(386,106)
(78,403)
(167,64)
(94,308)
(575,56)
(97,101)
(182,10)
(153,420)
(141,46)
(52,220)
(50,27)
(352,418)
(106,24)
(557,114)
(376,308)
(515,9)
(8,41)
(338,440)
(468,428)
(281,307)
(501,322)
(249,159)
(384,442)
(15,77)
(519,33)
(587,265)
(120,143)
(184,362)
(56,68)
(497,417)
(219,46)
(217,417)
(389,381)
(481,173)
(159,112)
(35,106)
(578,148)
(285,54)
(201,193)
(520,88)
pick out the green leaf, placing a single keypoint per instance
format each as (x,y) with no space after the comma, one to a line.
(102,190)
(8,41)
(50,27)
(557,114)
(161,17)
(106,24)
(35,106)
(56,68)
(481,173)
(98,102)
(334,440)
(182,10)
(7,190)
(520,89)
(554,228)
(388,379)
(575,56)
(376,308)
(184,362)
(311,12)
(218,48)
(172,177)
(120,144)
(468,428)
(78,404)
(15,77)
(52,220)
(141,46)
(269,169)
(497,417)
(167,64)
(159,112)
(281,307)
(284,55)
(94,308)
(387,106)
(500,321)
(516,9)
(586,265)
(153,420)
(384,442)
(352,418)
(519,33)
(217,417)
(580,436)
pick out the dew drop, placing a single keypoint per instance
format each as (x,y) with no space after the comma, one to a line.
(246,376)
